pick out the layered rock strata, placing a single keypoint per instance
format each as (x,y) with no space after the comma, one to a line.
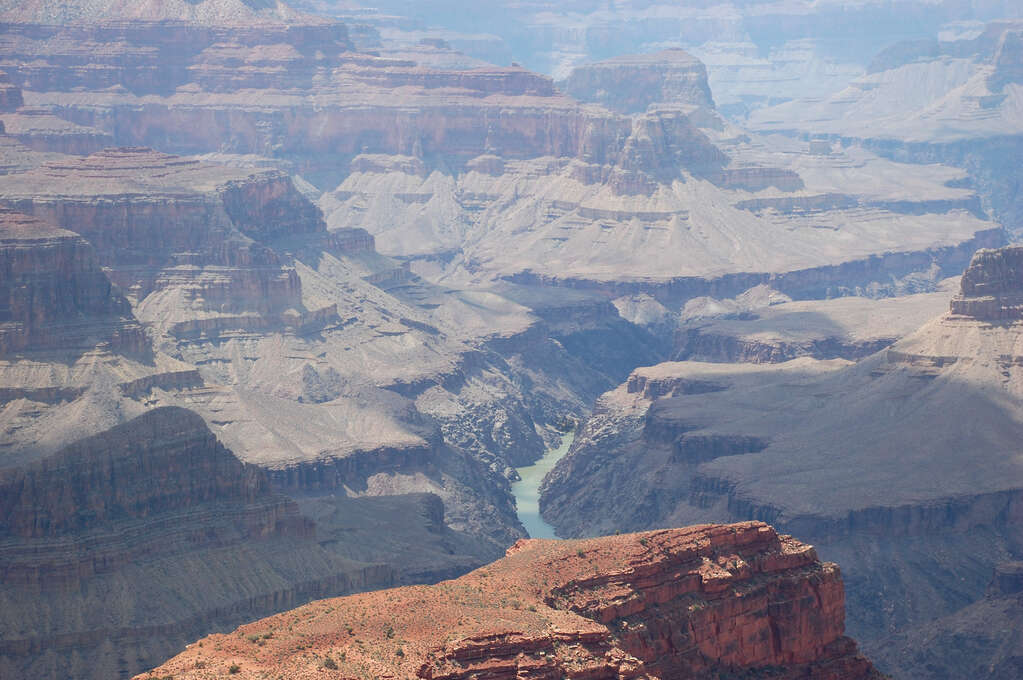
(982,640)
(53,294)
(632,83)
(697,602)
(283,337)
(477,158)
(952,100)
(763,326)
(887,481)
(124,541)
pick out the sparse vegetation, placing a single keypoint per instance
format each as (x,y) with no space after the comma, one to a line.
(329,663)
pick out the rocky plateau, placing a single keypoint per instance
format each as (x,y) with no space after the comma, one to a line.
(697,602)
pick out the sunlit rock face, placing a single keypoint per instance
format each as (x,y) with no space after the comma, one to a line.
(693,602)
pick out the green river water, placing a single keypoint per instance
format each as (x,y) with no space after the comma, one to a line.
(527,490)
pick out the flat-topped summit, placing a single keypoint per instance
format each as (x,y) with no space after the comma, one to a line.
(912,449)
(631,83)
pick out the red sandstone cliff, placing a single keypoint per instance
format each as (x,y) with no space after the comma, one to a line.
(700,602)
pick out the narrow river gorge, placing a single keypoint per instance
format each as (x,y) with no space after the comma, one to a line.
(527,489)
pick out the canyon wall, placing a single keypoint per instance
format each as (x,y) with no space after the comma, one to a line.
(702,442)
(138,538)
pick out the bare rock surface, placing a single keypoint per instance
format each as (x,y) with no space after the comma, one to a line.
(139,537)
(698,602)
(490,171)
(953,100)
(981,640)
(868,459)
(630,84)
(767,327)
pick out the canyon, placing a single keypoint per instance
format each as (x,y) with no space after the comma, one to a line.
(287,296)
(861,458)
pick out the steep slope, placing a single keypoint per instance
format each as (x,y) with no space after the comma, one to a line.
(758,53)
(309,354)
(67,338)
(954,101)
(122,546)
(491,173)
(700,602)
(866,459)
(764,326)
(981,640)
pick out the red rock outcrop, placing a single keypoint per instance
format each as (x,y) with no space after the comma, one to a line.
(696,603)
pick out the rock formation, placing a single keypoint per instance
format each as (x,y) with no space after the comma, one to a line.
(697,602)
(53,294)
(631,84)
(863,458)
(490,171)
(533,250)
(359,402)
(982,640)
(764,326)
(952,101)
(140,537)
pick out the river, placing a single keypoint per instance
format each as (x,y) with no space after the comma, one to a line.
(527,489)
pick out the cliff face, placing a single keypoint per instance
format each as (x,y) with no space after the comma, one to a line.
(983,640)
(53,294)
(708,442)
(133,531)
(158,56)
(657,196)
(162,223)
(763,326)
(284,338)
(630,84)
(972,84)
(991,288)
(111,476)
(696,602)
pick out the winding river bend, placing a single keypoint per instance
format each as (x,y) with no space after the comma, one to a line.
(527,489)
